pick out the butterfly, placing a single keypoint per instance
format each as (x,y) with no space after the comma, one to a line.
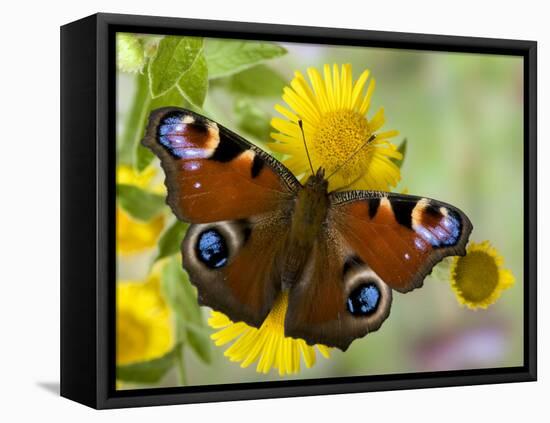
(256,231)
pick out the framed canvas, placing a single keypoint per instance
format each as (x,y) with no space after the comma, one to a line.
(258,211)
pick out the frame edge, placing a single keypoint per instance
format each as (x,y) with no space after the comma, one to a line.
(78,212)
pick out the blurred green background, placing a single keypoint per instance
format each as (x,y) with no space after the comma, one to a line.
(463,117)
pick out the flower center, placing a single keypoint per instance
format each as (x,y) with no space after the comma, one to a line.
(477,276)
(338,136)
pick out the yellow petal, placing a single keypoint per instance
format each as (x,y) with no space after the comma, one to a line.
(329,87)
(377,120)
(255,351)
(218,320)
(229,333)
(286,127)
(337,86)
(319,89)
(299,105)
(365,105)
(268,355)
(346,86)
(239,350)
(301,87)
(324,350)
(358,89)
(286,113)
(307,353)
(387,134)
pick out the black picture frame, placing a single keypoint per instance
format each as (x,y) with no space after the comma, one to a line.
(88,210)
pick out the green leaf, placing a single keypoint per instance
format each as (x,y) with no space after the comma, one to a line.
(252,120)
(182,298)
(226,57)
(170,241)
(403,150)
(198,339)
(138,203)
(258,81)
(170,98)
(135,122)
(144,157)
(193,84)
(175,56)
(148,371)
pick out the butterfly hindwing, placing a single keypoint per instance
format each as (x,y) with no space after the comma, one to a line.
(338,297)
(235,265)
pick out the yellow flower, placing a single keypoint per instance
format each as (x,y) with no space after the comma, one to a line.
(267,344)
(478,278)
(144,327)
(145,180)
(133,236)
(334,111)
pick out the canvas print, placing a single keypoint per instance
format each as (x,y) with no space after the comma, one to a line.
(301,211)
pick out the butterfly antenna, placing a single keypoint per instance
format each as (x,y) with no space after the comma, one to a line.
(352,155)
(301,125)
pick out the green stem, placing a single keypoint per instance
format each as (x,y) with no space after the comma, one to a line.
(135,122)
(180,363)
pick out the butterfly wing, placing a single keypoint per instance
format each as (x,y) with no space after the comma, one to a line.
(401,237)
(212,174)
(238,199)
(325,304)
(235,265)
(372,242)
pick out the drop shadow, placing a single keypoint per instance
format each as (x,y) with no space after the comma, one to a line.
(51,387)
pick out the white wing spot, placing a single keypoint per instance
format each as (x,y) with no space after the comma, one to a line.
(188,119)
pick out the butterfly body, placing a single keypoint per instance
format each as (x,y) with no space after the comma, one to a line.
(307,219)
(257,231)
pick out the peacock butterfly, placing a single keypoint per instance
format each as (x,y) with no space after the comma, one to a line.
(256,231)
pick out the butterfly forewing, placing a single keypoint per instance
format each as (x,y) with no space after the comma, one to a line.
(401,237)
(212,174)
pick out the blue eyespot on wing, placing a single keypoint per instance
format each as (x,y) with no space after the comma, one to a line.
(211,249)
(363,300)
